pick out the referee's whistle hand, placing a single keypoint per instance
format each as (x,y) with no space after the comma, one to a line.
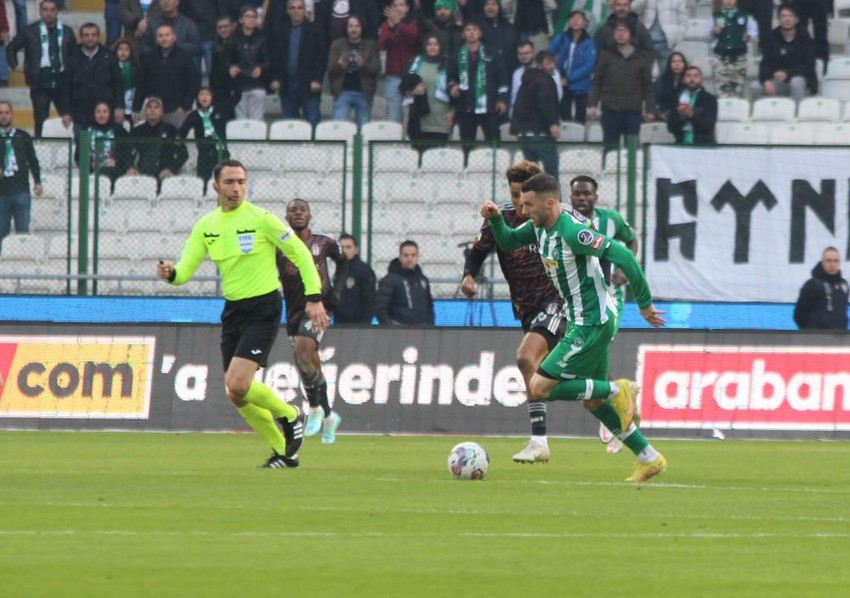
(164,269)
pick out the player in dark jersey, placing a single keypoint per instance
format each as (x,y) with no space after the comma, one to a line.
(303,337)
(536,304)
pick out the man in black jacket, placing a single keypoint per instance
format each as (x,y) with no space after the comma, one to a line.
(535,117)
(823,299)
(692,121)
(622,11)
(47,46)
(478,87)
(18,160)
(92,76)
(169,73)
(299,55)
(404,294)
(155,150)
(500,36)
(223,87)
(357,293)
(788,65)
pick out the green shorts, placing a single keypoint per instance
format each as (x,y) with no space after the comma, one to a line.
(582,353)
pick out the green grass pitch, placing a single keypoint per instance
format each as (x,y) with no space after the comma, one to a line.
(120,514)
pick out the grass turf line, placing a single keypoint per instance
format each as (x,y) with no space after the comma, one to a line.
(108,514)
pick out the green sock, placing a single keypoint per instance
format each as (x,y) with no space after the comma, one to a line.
(577,390)
(609,418)
(636,441)
(261,395)
(262,422)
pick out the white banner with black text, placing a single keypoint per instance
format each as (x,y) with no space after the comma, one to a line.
(740,224)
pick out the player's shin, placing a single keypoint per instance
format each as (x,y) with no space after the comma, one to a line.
(580,390)
(537,417)
(261,395)
(316,390)
(262,422)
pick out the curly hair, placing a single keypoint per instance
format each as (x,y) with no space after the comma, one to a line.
(522,171)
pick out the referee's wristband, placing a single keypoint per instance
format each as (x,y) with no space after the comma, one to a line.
(314,298)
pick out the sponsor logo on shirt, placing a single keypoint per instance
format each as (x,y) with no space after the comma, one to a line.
(597,242)
(585,237)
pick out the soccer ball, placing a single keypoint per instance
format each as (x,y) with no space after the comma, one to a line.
(469,461)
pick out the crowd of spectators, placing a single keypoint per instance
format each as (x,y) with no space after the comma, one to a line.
(447,63)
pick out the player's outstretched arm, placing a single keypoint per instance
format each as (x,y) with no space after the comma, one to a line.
(194,252)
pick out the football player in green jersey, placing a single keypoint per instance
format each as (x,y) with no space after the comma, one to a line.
(577,368)
(583,196)
(240,238)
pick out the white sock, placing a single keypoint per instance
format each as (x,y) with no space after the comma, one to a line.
(330,416)
(628,432)
(541,440)
(316,411)
(647,455)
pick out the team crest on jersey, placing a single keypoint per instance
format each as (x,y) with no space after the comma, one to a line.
(315,249)
(246,242)
(585,237)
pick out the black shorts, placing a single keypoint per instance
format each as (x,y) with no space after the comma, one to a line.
(302,327)
(550,321)
(249,327)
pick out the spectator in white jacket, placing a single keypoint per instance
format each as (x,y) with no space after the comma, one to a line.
(667,21)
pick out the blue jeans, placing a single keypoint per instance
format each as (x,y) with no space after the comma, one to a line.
(394,98)
(355,100)
(541,148)
(4,66)
(293,104)
(206,55)
(616,124)
(20,15)
(17,207)
(113,22)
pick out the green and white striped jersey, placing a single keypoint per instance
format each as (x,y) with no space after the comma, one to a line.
(612,224)
(570,251)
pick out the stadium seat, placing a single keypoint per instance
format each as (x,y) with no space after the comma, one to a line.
(792,134)
(336,130)
(264,188)
(838,32)
(818,109)
(291,129)
(321,190)
(246,129)
(593,130)
(836,88)
(101,186)
(382,130)
(733,110)
(655,132)
(461,191)
(143,219)
(379,108)
(411,188)
(111,221)
(181,188)
(395,158)
(743,133)
(832,133)
(259,157)
(384,249)
(505,132)
(22,248)
(572,131)
(483,159)
(697,30)
(442,159)
(587,161)
(55,128)
(693,49)
(54,187)
(139,189)
(48,215)
(773,110)
(839,68)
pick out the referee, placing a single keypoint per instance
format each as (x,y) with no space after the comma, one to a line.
(240,239)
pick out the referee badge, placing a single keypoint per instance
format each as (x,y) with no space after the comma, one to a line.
(246,242)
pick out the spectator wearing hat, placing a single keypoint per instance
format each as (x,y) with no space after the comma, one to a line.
(444,26)
(622,84)
(155,150)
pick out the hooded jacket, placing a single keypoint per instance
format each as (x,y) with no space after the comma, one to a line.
(823,301)
(404,297)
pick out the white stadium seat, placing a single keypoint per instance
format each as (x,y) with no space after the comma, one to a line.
(774,110)
(246,129)
(291,129)
(818,109)
(733,110)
